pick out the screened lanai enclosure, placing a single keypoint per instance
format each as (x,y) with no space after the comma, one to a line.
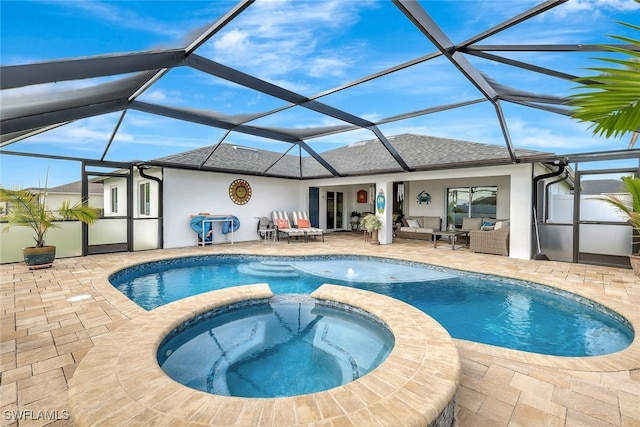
(275,88)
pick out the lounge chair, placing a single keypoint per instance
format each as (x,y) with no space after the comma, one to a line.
(284,226)
(301,221)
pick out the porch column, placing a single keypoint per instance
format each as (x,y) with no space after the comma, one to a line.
(385,235)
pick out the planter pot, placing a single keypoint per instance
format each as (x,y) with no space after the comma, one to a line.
(635,264)
(371,237)
(374,237)
(43,257)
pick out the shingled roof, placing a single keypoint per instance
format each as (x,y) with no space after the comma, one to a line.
(421,152)
(75,187)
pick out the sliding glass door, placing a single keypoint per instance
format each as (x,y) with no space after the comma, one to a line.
(470,202)
(335,208)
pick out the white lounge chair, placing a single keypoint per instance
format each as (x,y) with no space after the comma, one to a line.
(284,226)
(306,226)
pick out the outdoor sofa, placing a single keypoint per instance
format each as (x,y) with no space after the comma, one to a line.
(419,227)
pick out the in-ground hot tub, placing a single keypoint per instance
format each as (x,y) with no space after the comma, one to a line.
(120,381)
(286,346)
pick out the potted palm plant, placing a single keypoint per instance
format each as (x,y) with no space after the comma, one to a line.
(25,209)
(371,224)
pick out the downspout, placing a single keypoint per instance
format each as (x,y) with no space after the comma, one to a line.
(564,177)
(141,168)
(562,164)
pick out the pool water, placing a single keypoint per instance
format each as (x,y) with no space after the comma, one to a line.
(275,349)
(481,308)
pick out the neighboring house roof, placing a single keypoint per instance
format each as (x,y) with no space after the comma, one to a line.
(361,158)
(75,188)
(602,186)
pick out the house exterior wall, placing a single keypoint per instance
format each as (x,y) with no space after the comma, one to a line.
(514,183)
(55,200)
(188,193)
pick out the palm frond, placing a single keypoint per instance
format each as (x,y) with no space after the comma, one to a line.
(612,103)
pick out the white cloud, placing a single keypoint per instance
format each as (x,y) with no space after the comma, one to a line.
(120,15)
(280,39)
(158,95)
(595,8)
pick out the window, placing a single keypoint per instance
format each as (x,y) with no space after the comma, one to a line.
(471,202)
(114,200)
(144,199)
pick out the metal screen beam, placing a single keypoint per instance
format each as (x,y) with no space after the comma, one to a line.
(390,148)
(14,76)
(207,120)
(56,117)
(429,28)
(227,73)
(524,16)
(548,47)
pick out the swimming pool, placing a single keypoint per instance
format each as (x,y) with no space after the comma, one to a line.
(488,309)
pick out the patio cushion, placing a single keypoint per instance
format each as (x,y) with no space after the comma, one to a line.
(282,223)
(469,224)
(486,226)
(413,223)
(303,223)
(432,222)
(424,230)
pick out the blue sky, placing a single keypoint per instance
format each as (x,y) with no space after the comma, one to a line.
(308,47)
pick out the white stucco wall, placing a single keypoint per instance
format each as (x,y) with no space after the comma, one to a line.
(514,196)
(188,193)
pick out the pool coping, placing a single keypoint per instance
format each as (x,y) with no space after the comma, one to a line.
(120,382)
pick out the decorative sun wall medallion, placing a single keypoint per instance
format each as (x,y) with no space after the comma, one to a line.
(240,191)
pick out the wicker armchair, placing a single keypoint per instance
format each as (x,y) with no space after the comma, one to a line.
(490,242)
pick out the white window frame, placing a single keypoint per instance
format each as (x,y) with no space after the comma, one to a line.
(144,198)
(114,199)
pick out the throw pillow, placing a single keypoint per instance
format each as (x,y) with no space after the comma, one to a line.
(486,226)
(497,225)
(413,223)
(282,223)
(304,223)
(404,222)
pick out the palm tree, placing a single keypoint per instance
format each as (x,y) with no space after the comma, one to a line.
(611,100)
(27,210)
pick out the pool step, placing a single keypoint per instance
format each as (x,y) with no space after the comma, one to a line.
(262,269)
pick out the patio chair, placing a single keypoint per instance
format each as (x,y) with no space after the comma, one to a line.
(490,242)
(266,230)
(301,221)
(284,227)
